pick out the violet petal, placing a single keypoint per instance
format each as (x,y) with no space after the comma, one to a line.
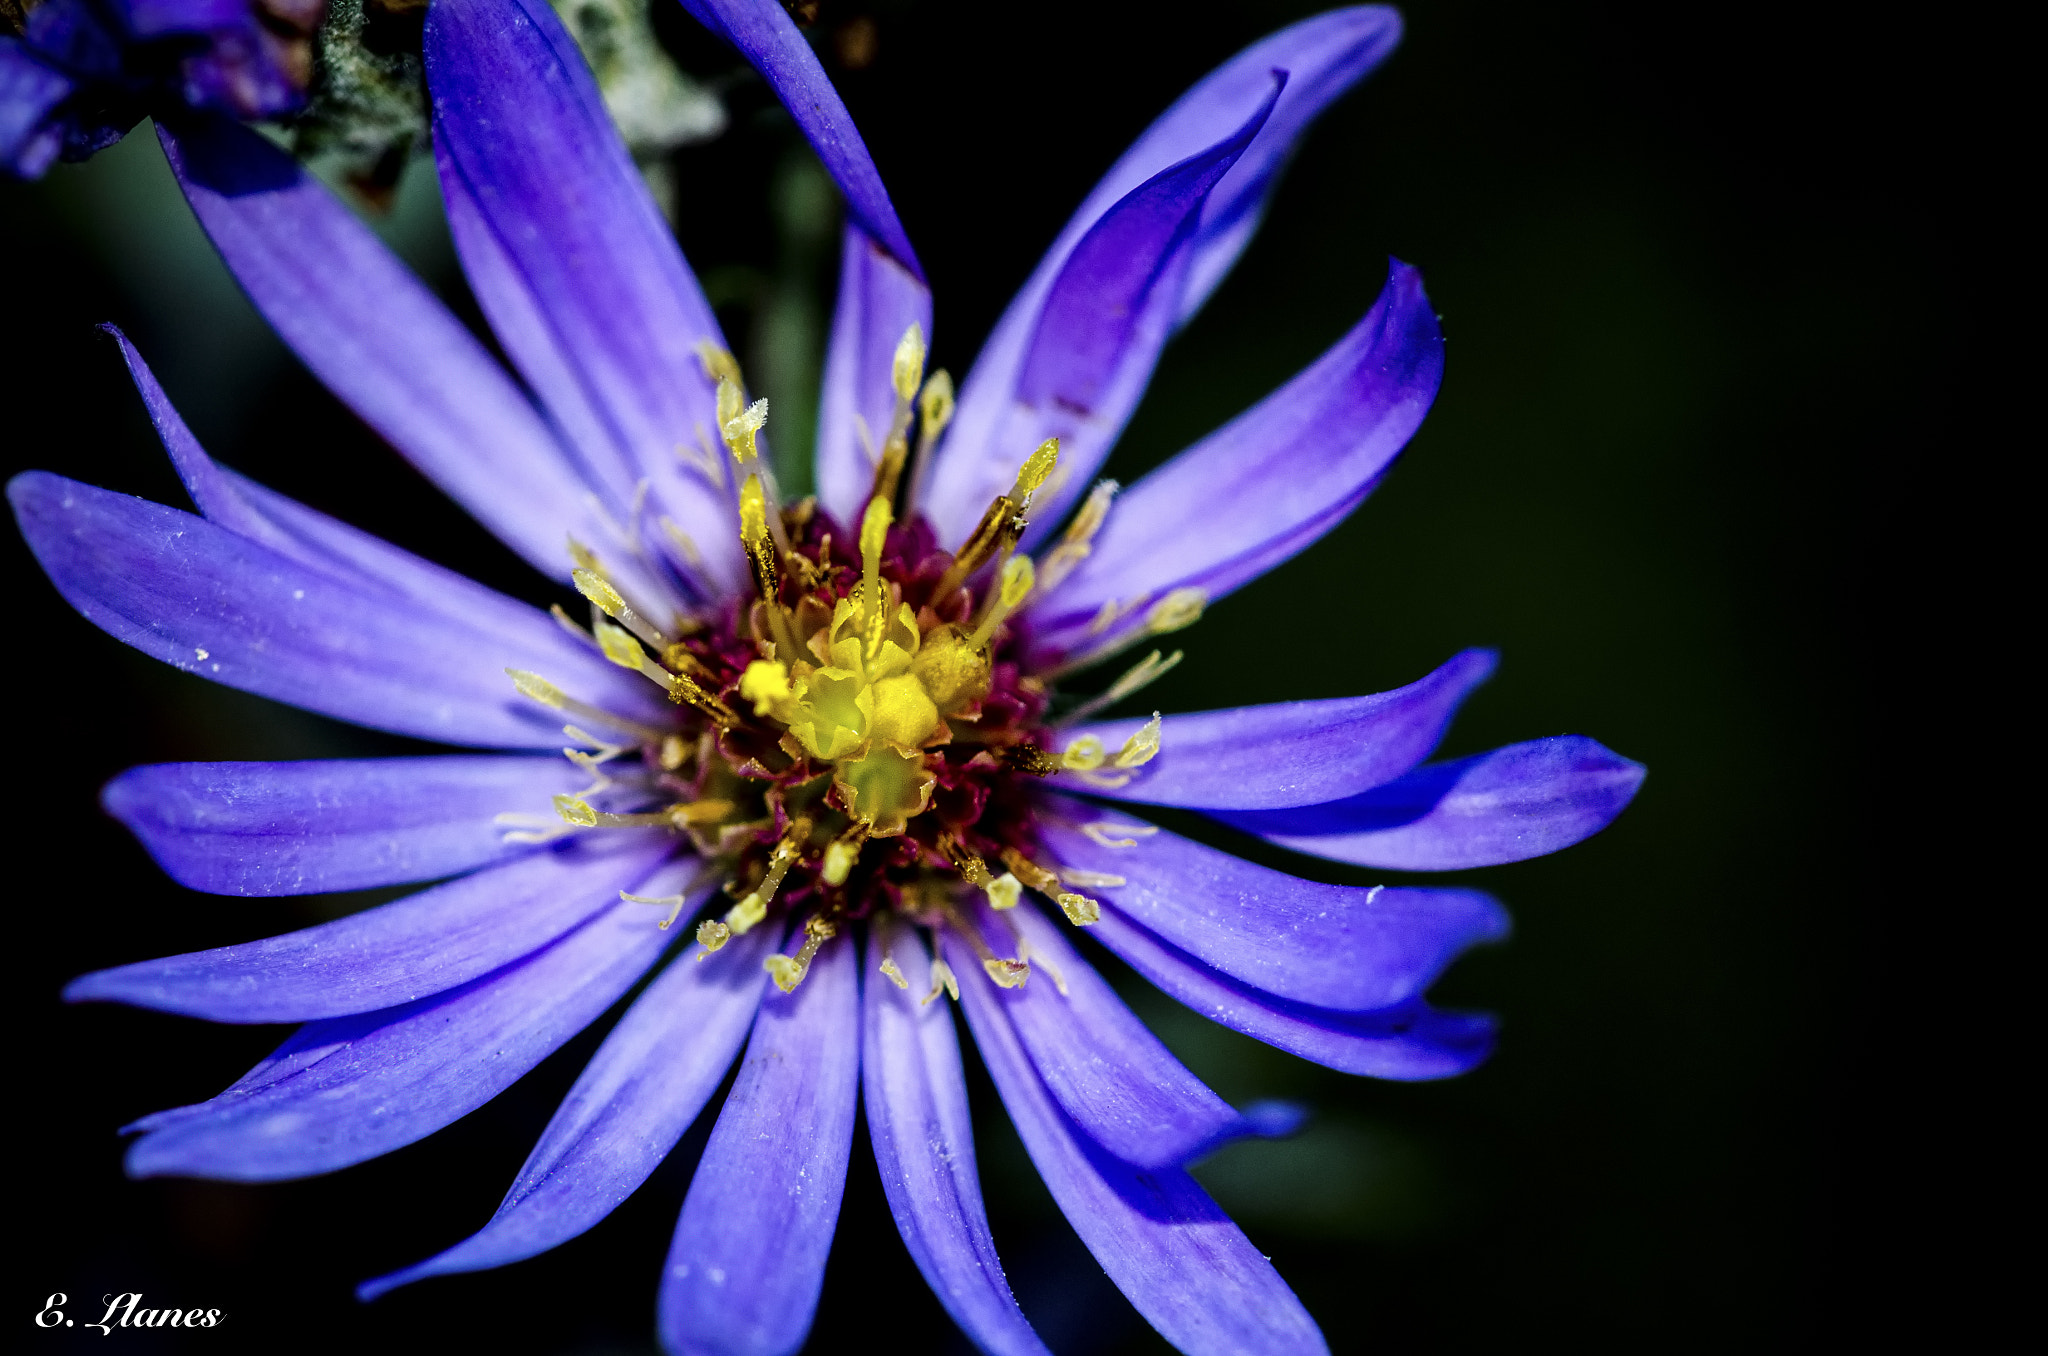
(578,271)
(639,1093)
(1514,803)
(1409,1041)
(1290,753)
(1333,946)
(215,604)
(335,824)
(1172,1251)
(412,948)
(350,1088)
(1271,481)
(878,300)
(766,37)
(748,1261)
(916,1098)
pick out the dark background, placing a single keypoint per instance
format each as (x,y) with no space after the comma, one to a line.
(1709,295)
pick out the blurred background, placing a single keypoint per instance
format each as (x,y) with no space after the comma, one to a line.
(1705,300)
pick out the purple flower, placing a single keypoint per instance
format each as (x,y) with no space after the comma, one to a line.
(82,72)
(834,719)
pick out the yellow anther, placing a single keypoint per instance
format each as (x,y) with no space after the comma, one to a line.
(1083,755)
(598,589)
(1033,473)
(742,917)
(753,512)
(943,981)
(766,685)
(906,370)
(1080,910)
(1142,747)
(789,971)
(693,813)
(1004,891)
(1009,974)
(895,975)
(739,429)
(674,752)
(576,810)
(719,366)
(839,860)
(935,405)
(619,645)
(540,689)
(712,934)
(1182,607)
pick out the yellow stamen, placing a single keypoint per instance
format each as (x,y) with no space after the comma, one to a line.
(539,689)
(1080,910)
(1033,473)
(766,684)
(1142,747)
(711,935)
(692,813)
(1178,609)
(943,981)
(578,811)
(718,364)
(1016,586)
(1083,755)
(789,971)
(874,534)
(742,917)
(754,907)
(906,369)
(935,406)
(1030,872)
(740,426)
(600,592)
(1138,677)
(895,975)
(964,861)
(1076,543)
(844,851)
(1004,891)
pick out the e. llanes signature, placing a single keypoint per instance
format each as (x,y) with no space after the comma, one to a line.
(123,1312)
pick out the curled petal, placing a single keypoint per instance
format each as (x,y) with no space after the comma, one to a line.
(1175,1255)
(1331,946)
(211,602)
(1517,802)
(350,1088)
(748,1261)
(378,339)
(307,828)
(641,1090)
(1271,481)
(576,268)
(916,1098)
(1323,57)
(766,37)
(1409,1041)
(378,959)
(879,299)
(1294,753)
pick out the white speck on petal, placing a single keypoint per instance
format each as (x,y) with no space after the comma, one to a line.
(201,653)
(298,594)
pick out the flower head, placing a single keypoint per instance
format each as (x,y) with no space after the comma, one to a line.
(80,73)
(828,732)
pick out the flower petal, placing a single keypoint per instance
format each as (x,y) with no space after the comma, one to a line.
(306,828)
(916,1098)
(1116,1081)
(1517,802)
(748,1261)
(1175,1255)
(640,1092)
(413,948)
(1323,56)
(576,268)
(350,1088)
(878,300)
(380,340)
(766,37)
(1272,480)
(216,604)
(1409,1041)
(1092,344)
(1293,753)
(1331,946)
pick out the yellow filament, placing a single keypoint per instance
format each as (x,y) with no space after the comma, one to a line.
(753,512)
(673,903)
(532,685)
(1032,874)
(719,366)
(789,971)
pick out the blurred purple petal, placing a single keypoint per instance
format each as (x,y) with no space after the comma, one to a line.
(1518,802)
(1272,480)
(215,604)
(1293,753)
(30,92)
(916,1098)
(878,300)
(1092,343)
(576,268)
(1409,1041)
(1323,57)
(640,1092)
(381,341)
(766,37)
(412,948)
(307,828)
(1115,1080)
(348,1089)
(1332,946)
(748,1261)
(1175,1255)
